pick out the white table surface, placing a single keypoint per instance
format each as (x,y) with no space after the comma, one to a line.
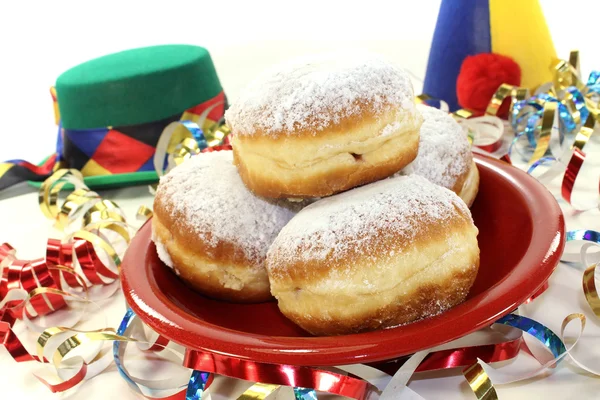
(243,38)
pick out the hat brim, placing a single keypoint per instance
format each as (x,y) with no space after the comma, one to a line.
(114,181)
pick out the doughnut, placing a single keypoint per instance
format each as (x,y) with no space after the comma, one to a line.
(322,124)
(213,232)
(379,256)
(445,156)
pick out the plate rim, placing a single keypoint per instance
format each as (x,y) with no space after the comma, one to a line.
(328,350)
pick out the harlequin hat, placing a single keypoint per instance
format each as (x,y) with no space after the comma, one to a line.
(111,111)
(514,30)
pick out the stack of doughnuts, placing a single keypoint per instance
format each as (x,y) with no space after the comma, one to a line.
(342,200)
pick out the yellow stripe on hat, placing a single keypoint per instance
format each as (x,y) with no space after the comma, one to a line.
(519,30)
(5,167)
(55,103)
(92,168)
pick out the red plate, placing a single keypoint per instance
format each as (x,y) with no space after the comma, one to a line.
(521,237)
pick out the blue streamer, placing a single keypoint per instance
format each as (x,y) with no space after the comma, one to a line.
(117,345)
(304,394)
(198,379)
(527,114)
(541,161)
(197,385)
(593,82)
(59,143)
(196,132)
(537,330)
(524,119)
(582,234)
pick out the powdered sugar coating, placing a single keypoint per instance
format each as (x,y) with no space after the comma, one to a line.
(444,151)
(331,228)
(208,192)
(316,91)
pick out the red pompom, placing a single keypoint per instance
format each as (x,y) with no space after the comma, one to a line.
(479,78)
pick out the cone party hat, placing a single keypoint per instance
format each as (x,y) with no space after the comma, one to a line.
(514,31)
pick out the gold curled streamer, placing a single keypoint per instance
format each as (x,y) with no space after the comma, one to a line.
(565,75)
(422,98)
(48,194)
(505,90)
(143,214)
(570,318)
(574,61)
(258,391)
(543,141)
(589,289)
(519,94)
(119,228)
(569,101)
(215,137)
(185,149)
(462,114)
(480,382)
(100,216)
(470,136)
(180,133)
(81,338)
(49,333)
(593,106)
(103,210)
(584,134)
(74,201)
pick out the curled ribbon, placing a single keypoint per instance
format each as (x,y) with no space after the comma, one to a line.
(198,380)
(82,266)
(181,140)
(551,128)
(481,375)
(557,122)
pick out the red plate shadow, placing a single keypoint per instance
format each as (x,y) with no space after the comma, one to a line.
(521,237)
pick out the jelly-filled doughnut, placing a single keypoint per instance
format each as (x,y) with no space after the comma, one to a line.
(213,231)
(374,257)
(322,124)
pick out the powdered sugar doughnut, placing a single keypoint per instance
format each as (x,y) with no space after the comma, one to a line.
(322,124)
(212,231)
(445,156)
(378,256)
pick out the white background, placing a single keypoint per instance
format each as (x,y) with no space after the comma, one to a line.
(39,40)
